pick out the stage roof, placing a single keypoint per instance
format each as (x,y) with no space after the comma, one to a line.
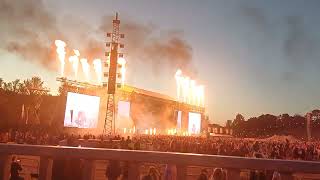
(131,89)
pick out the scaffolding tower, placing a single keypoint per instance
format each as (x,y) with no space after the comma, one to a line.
(109,123)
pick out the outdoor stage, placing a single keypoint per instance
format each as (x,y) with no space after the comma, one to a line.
(141,111)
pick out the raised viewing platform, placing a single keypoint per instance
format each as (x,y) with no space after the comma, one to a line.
(233,165)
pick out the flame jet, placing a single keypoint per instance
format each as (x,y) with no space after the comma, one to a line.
(61,54)
(97,65)
(122,62)
(85,68)
(75,62)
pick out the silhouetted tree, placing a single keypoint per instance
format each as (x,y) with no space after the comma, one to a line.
(1,83)
(65,88)
(238,120)
(34,86)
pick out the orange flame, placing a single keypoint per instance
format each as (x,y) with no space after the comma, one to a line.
(61,54)
(188,91)
(122,62)
(85,68)
(98,69)
(178,81)
(75,62)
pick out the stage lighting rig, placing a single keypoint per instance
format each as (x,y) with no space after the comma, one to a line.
(111,75)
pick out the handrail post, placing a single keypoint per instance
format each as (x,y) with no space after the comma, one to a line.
(181,172)
(233,174)
(88,170)
(5,166)
(134,170)
(45,170)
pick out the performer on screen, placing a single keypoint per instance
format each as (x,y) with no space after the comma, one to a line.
(81,121)
(194,129)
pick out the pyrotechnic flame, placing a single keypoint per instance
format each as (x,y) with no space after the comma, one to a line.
(192,91)
(178,81)
(201,94)
(61,54)
(185,89)
(197,102)
(98,69)
(75,62)
(188,91)
(122,62)
(85,68)
(76,52)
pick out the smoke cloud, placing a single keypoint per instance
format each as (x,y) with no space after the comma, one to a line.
(256,16)
(149,112)
(28,29)
(141,44)
(298,42)
(298,45)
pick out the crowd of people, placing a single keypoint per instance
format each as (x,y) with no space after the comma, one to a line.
(228,146)
(273,149)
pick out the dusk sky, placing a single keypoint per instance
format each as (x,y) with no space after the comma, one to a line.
(254,57)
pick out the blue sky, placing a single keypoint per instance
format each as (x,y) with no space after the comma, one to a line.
(254,57)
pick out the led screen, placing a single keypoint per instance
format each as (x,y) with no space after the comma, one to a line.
(194,123)
(123,115)
(82,111)
(179,119)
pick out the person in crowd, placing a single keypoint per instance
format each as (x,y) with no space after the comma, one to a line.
(59,167)
(217,174)
(276,176)
(152,175)
(203,175)
(125,171)
(113,171)
(170,172)
(257,174)
(15,169)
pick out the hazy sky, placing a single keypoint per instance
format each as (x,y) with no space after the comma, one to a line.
(254,57)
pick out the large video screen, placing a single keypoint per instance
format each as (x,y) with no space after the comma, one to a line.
(123,115)
(194,124)
(179,119)
(82,111)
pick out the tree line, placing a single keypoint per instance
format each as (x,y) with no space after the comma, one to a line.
(21,101)
(32,86)
(267,125)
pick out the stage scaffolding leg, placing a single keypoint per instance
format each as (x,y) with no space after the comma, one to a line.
(109,121)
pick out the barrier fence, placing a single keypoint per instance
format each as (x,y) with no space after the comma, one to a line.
(233,165)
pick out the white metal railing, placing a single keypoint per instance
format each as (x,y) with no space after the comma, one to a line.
(233,165)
